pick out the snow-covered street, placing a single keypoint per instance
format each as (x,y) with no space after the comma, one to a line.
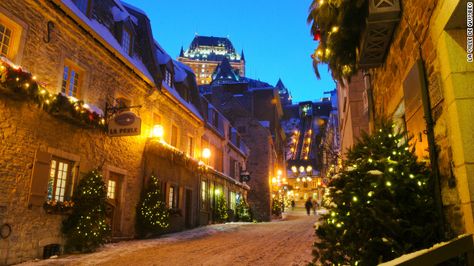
(283,242)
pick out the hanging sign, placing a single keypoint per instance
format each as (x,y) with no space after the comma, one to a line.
(124,124)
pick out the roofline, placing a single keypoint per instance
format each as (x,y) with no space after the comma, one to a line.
(83,25)
(170,96)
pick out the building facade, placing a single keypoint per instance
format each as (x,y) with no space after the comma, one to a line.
(68,70)
(425,85)
(205,53)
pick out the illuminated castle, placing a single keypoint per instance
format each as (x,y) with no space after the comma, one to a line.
(206,52)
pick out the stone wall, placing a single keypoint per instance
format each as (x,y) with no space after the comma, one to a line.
(443,51)
(24,128)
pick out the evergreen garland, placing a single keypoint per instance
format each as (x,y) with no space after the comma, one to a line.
(337,25)
(220,210)
(86,228)
(152,214)
(381,206)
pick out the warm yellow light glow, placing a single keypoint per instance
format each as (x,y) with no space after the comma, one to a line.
(279,172)
(294,169)
(206,153)
(301,169)
(309,168)
(303,179)
(274,180)
(308,179)
(335,29)
(218,191)
(158,131)
(298,179)
(284,180)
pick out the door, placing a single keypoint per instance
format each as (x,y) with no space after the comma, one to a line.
(188,209)
(114,195)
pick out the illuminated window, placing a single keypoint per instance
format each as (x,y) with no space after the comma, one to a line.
(190,149)
(5,39)
(60,180)
(71,81)
(203,194)
(232,200)
(127,41)
(112,184)
(173,197)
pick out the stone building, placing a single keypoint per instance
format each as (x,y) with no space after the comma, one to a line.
(424,81)
(255,110)
(353,113)
(205,53)
(92,64)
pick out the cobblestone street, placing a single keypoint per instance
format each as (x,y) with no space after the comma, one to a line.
(283,242)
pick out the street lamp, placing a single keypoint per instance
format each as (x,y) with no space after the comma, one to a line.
(294,169)
(301,169)
(206,153)
(157,132)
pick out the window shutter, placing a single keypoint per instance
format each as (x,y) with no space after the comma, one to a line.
(39,179)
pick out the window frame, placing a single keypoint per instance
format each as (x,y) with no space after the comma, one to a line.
(173,194)
(88,7)
(174,136)
(66,194)
(127,43)
(17,37)
(190,147)
(66,79)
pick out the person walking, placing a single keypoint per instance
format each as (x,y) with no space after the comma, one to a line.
(315,206)
(293,204)
(308,205)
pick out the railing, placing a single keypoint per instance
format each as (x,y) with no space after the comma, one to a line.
(461,246)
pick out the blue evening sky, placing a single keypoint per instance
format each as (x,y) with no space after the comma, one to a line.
(273,34)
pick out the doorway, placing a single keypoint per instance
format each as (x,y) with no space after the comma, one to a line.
(188,209)
(114,195)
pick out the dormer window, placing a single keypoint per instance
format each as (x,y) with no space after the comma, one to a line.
(127,41)
(168,78)
(85,6)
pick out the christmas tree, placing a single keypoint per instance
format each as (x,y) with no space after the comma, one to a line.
(382,204)
(86,228)
(220,211)
(152,213)
(242,211)
(276,207)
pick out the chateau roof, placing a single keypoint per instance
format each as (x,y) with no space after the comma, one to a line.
(225,72)
(212,41)
(210,48)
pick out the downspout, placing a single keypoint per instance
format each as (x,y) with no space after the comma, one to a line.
(425,98)
(370,101)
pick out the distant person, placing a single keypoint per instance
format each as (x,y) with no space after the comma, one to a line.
(308,205)
(293,204)
(315,207)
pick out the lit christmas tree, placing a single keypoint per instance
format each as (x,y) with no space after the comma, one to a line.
(86,228)
(220,211)
(152,213)
(381,206)
(242,211)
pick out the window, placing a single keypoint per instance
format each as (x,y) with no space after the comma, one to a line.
(232,165)
(190,149)
(173,198)
(174,136)
(84,6)
(71,81)
(203,194)
(112,184)
(168,78)
(60,180)
(5,39)
(127,41)
(232,200)
(10,37)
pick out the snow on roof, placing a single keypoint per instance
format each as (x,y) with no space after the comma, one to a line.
(176,95)
(134,8)
(103,32)
(121,15)
(179,73)
(184,66)
(162,57)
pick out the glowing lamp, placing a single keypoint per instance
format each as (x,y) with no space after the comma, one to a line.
(274,180)
(308,179)
(301,169)
(294,169)
(309,168)
(157,131)
(298,179)
(206,153)
(279,172)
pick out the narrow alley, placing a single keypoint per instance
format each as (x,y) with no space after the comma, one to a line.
(281,242)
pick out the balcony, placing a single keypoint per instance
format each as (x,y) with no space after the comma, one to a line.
(383,17)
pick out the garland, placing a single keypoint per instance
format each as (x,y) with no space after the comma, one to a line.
(174,155)
(22,85)
(337,25)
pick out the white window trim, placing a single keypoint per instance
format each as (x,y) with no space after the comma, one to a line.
(20,45)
